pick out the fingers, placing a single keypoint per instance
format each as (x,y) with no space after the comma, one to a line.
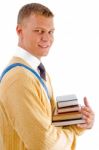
(87,107)
(86,102)
(82,125)
(88,115)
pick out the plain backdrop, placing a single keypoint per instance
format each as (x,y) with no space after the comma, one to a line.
(73,61)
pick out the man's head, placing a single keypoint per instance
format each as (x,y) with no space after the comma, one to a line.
(35,29)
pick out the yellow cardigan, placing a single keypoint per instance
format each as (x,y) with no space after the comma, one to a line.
(26,114)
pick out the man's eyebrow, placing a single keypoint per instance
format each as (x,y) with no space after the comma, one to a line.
(44,28)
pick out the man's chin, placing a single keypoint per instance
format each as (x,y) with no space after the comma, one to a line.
(45,53)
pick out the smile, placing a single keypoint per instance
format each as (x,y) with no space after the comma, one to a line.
(44,46)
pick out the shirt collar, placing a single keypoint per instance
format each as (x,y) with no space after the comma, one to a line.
(29,58)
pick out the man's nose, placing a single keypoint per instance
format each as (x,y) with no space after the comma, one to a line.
(46,37)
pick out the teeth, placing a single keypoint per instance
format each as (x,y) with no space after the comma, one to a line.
(43,46)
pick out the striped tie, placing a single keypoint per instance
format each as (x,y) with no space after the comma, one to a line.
(42,71)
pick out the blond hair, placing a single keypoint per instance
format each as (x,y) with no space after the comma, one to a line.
(35,8)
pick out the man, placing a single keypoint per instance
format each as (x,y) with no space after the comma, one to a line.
(26,108)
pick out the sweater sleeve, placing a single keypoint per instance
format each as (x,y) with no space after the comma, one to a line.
(27,114)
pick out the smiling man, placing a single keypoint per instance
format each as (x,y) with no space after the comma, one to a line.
(36,33)
(26,96)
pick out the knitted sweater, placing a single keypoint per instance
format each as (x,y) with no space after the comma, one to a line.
(26,114)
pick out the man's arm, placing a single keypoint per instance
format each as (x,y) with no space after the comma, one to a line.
(29,118)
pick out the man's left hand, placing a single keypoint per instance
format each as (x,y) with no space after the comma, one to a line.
(88,115)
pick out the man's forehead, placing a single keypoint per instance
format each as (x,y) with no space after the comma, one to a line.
(41,21)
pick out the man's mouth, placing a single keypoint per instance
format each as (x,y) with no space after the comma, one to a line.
(44,46)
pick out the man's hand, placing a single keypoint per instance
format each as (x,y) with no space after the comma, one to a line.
(88,115)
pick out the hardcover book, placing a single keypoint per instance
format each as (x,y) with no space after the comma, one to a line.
(68,122)
(66,100)
(67,111)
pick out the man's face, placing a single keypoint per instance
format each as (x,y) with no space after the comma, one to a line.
(36,34)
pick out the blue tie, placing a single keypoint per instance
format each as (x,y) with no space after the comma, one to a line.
(42,71)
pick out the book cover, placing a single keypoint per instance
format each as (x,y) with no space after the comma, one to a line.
(68,109)
(68,122)
(66,100)
(66,116)
(67,103)
(66,97)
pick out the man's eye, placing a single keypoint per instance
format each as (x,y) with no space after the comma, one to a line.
(38,31)
(51,32)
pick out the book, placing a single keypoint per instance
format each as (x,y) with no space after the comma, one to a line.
(67,116)
(66,100)
(66,97)
(67,122)
(68,109)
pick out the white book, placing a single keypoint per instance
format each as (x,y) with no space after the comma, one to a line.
(66,100)
(66,97)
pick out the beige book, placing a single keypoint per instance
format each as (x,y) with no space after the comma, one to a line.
(68,109)
(66,116)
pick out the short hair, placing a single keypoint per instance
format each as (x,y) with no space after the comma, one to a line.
(35,8)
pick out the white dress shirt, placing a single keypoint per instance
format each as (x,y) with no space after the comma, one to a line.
(32,61)
(29,58)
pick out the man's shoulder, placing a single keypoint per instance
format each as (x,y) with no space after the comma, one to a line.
(16,73)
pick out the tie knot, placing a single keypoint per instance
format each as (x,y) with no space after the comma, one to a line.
(42,71)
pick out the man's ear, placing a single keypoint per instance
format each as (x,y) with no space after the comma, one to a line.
(19,29)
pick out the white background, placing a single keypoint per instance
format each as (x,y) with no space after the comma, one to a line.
(73,62)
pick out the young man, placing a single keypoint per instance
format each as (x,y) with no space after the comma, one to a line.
(26,108)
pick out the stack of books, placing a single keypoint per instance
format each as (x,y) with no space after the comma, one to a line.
(67,111)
